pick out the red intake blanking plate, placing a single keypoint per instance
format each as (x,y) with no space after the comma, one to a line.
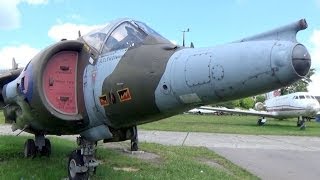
(59,82)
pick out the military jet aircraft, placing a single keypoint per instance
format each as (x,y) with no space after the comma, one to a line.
(107,82)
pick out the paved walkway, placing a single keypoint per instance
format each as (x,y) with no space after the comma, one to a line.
(269,157)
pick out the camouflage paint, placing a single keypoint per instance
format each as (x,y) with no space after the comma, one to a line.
(145,83)
(136,76)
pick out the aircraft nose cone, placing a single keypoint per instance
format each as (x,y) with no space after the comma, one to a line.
(316,108)
(313,109)
(301,60)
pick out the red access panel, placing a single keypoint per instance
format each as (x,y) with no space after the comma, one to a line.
(59,82)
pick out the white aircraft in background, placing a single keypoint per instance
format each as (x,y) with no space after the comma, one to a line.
(299,104)
(201,111)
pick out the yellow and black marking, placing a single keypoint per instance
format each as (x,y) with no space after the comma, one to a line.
(124,94)
(103,100)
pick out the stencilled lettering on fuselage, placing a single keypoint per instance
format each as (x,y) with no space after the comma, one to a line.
(108,58)
(105,65)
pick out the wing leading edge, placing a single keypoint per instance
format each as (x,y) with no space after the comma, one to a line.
(239,111)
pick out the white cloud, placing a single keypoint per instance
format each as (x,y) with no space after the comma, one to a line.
(70,30)
(314,86)
(10,14)
(315,51)
(21,53)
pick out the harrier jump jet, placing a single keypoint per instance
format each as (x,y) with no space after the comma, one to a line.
(107,82)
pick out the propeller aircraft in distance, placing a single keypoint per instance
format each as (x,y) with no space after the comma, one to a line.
(110,80)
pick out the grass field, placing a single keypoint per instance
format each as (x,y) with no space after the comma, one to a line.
(1,117)
(228,124)
(170,163)
(232,124)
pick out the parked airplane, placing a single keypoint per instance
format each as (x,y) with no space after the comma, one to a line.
(107,82)
(300,104)
(201,111)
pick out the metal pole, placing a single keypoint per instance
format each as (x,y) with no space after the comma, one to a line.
(183,36)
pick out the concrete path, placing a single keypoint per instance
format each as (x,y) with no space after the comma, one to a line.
(268,157)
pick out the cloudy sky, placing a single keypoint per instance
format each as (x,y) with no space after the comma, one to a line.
(27,26)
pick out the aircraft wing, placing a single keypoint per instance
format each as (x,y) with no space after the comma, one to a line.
(6,77)
(239,111)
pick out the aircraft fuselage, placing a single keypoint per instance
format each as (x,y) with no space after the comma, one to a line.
(104,83)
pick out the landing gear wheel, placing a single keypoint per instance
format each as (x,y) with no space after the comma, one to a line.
(134,146)
(46,149)
(75,162)
(260,122)
(134,139)
(30,148)
(299,123)
(303,126)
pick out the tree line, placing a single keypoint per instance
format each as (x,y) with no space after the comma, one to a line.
(249,102)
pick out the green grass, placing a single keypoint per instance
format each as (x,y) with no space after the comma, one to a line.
(173,163)
(1,118)
(232,124)
(228,124)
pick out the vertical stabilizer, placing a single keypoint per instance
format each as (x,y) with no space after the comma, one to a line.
(14,64)
(273,94)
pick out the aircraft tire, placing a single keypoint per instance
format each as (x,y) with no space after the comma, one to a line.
(134,146)
(76,159)
(302,127)
(134,139)
(260,123)
(30,148)
(46,150)
(299,124)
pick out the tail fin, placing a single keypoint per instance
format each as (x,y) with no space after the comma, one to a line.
(14,64)
(273,94)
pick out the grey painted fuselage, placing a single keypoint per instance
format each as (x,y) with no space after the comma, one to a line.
(124,80)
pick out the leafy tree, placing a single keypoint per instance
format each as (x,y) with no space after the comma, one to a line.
(260,98)
(229,104)
(247,103)
(299,86)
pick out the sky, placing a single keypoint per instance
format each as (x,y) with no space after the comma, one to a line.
(27,26)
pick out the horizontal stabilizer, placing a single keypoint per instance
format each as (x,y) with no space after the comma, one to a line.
(6,77)
(285,33)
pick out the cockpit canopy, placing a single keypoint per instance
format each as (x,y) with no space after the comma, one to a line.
(120,34)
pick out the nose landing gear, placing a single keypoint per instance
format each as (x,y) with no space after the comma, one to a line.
(82,161)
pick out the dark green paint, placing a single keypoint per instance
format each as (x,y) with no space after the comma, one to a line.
(140,72)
